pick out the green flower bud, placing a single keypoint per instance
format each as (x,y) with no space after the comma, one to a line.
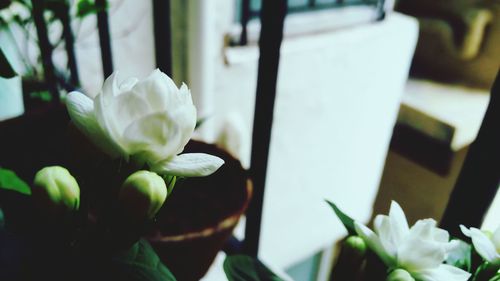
(56,190)
(355,245)
(142,194)
(400,275)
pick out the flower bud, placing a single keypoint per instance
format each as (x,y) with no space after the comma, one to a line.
(142,194)
(356,245)
(400,275)
(56,190)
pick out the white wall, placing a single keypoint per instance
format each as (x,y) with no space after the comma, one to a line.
(337,100)
(131,29)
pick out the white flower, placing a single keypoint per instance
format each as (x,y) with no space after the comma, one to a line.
(420,250)
(487,247)
(149,121)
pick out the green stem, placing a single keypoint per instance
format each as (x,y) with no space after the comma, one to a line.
(487,272)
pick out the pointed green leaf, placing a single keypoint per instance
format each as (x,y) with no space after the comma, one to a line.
(347,221)
(244,268)
(139,263)
(6,70)
(9,180)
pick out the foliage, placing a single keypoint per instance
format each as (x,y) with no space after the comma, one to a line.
(9,180)
(139,263)
(347,221)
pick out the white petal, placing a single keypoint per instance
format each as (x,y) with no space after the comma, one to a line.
(465,231)
(153,138)
(81,111)
(398,219)
(424,229)
(128,84)
(125,109)
(159,91)
(189,165)
(496,239)
(442,273)
(415,254)
(374,243)
(483,245)
(110,86)
(102,112)
(386,233)
(441,235)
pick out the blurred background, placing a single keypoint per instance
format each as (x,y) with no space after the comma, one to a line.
(376,100)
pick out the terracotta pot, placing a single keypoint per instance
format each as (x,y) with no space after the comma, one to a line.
(200,215)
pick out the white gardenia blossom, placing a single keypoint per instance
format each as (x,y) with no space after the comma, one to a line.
(420,250)
(487,247)
(149,121)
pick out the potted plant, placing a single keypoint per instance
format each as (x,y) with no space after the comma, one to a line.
(396,251)
(97,187)
(200,216)
(17,29)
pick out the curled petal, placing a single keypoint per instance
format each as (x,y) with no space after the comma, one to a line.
(128,84)
(442,272)
(153,137)
(424,229)
(81,110)
(483,245)
(189,165)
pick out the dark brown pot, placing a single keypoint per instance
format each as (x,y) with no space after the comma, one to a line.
(200,215)
(197,218)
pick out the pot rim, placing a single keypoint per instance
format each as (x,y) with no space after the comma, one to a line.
(225,224)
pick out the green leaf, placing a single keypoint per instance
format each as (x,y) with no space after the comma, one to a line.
(495,278)
(244,268)
(461,256)
(9,180)
(139,263)
(6,70)
(347,221)
(88,7)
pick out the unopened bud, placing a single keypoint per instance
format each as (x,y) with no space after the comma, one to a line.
(56,190)
(400,275)
(142,194)
(355,245)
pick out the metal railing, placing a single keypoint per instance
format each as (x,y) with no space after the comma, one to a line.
(476,185)
(249,11)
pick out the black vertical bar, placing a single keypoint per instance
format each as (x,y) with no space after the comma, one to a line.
(381,9)
(163,39)
(104,38)
(272,18)
(45,49)
(311,3)
(69,42)
(245,17)
(479,178)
